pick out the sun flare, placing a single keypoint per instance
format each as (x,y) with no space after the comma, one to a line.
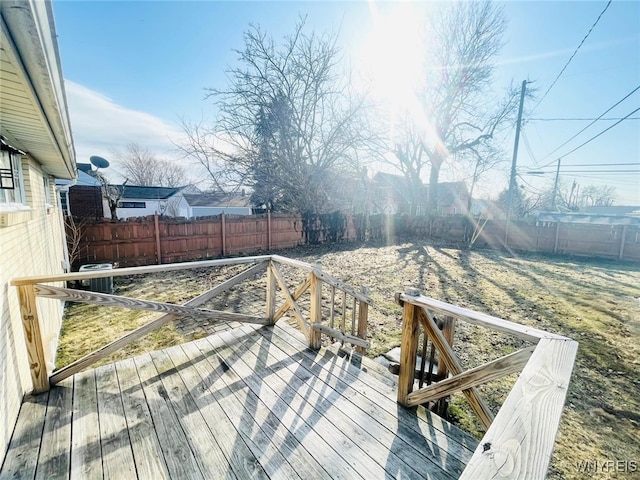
(392,54)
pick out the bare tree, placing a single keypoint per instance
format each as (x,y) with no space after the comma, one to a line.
(111,193)
(74,229)
(459,113)
(287,118)
(598,195)
(142,167)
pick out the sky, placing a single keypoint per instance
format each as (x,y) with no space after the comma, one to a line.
(134,70)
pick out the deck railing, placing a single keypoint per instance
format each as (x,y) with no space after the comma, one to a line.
(311,315)
(519,441)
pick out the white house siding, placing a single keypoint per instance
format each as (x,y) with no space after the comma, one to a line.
(151,207)
(33,247)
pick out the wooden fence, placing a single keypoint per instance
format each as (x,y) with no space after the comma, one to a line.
(155,240)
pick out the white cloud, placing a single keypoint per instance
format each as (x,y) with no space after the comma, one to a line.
(99,125)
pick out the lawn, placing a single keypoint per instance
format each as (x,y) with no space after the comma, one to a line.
(595,302)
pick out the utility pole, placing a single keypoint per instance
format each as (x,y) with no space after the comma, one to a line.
(512,179)
(555,187)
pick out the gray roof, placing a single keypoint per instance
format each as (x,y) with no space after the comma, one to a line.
(593,219)
(148,193)
(217,200)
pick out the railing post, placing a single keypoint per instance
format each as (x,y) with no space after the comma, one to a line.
(271,293)
(33,338)
(448,326)
(363,315)
(408,348)
(315,310)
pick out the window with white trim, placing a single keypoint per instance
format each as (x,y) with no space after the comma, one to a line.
(11,179)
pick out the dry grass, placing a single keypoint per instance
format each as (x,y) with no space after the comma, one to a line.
(596,302)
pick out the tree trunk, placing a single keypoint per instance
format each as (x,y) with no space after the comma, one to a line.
(433,187)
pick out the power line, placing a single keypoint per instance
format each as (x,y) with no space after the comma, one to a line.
(595,120)
(578,119)
(573,55)
(595,165)
(602,132)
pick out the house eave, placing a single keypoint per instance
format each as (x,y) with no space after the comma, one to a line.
(33,104)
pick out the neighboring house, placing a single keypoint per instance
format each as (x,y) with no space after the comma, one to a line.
(137,201)
(36,148)
(613,210)
(82,198)
(206,204)
(393,195)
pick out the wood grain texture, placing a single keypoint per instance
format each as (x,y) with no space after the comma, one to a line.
(86,451)
(363,317)
(315,312)
(302,323)
(449,358)
(271,295)
(108,300)
(33,338)
(342,337)
(148,456)
(324,276)
(22,456)
(126,339)
(54,459)
(493,370)
(520,331)
(408,351)
(123,272)
(117,456)
(519,443)
(297,293)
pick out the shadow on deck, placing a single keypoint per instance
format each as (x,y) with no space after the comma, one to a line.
(252,402)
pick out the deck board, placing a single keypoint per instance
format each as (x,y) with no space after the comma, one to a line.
(250,402)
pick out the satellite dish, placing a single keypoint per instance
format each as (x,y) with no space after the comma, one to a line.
(99,162)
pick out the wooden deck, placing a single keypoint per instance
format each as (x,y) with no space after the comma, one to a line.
(252,402)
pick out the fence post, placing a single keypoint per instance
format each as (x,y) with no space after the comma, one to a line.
(33,338)
(315,312)
(555,243)
(623,239)
(269,230)
(271,293)
(224,235)
(408,348)
(363,315)
(157,231)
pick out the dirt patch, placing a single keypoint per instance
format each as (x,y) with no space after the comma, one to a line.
(595,302)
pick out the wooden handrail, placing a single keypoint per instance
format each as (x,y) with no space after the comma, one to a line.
(30,287)
(519,441)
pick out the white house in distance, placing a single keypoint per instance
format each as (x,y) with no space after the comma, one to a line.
(36,148)
(206,204)
(137,201)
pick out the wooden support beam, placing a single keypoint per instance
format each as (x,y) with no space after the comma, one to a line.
(107,300)
(363,316)
(337,334)
(224,234)
(448,328)
(315,313)
(523,332)
(130,337)
(297,293)
(448,356)
(33,338)
(271,295)
(292,303)
(519,443)
(325,277)
(476,376)
(122,272)
(408,351)
(623,239)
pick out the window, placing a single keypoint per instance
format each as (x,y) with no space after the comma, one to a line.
(11,181)
(132,204)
